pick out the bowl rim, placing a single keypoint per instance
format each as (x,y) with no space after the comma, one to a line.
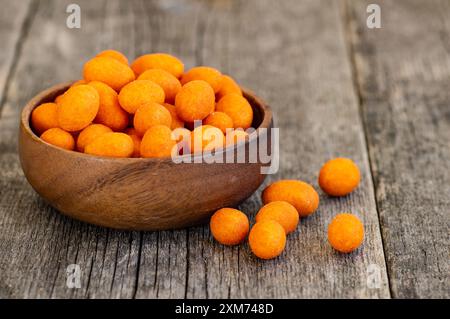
(27,110)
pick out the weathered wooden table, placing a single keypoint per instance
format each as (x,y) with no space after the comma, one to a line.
(338,88)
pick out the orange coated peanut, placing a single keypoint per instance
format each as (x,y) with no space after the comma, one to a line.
(210,75)
(345,232)
(229,226)
(267,239)
(282,212)
(176,121)
(299,194)
(228,86)
(109,113)
(44,117)
(157,142)
(238,108)
(90,133)
(169,83)
(219,120)
(151,114)
(59,137)
(136,141)
(158,61)
(195,101)
(111,145)
(78,107)
(115,55)
(140,92)
(206,138)
(339,177)
(109,71)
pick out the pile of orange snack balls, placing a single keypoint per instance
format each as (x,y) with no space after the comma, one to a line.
(285,202)
(133,110)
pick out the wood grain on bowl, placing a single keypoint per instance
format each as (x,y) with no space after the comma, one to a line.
(136,193)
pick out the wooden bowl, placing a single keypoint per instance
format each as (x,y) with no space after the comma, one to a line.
(137,193)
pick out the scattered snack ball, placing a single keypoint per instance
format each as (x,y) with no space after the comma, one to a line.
(195,101)
(140,92)
(77,108)
(169,83)
(339,177)
(267,239)
(219,120)
(44,117)
(176,121)
(59,137)
(110,113)
(235,137)
(90,133)
(228,86)
(111,145)
(157,142)
(115,55)
(162,61)
(299,194)
(229,226)
(282,212)
(210,75)
(109,71)
(136,141)
(345,232)
(238,108)
(206,138)
(151,114)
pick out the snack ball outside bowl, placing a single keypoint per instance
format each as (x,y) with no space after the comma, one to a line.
(299,194)
(229,226)
(345,232)
(267,239)
(282,212)
(339,177)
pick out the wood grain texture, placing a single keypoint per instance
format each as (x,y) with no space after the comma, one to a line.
(294,56)
(14,19)
(403,78)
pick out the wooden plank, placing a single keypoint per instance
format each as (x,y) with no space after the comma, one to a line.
(403,78)
(13,22)
(293,54)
